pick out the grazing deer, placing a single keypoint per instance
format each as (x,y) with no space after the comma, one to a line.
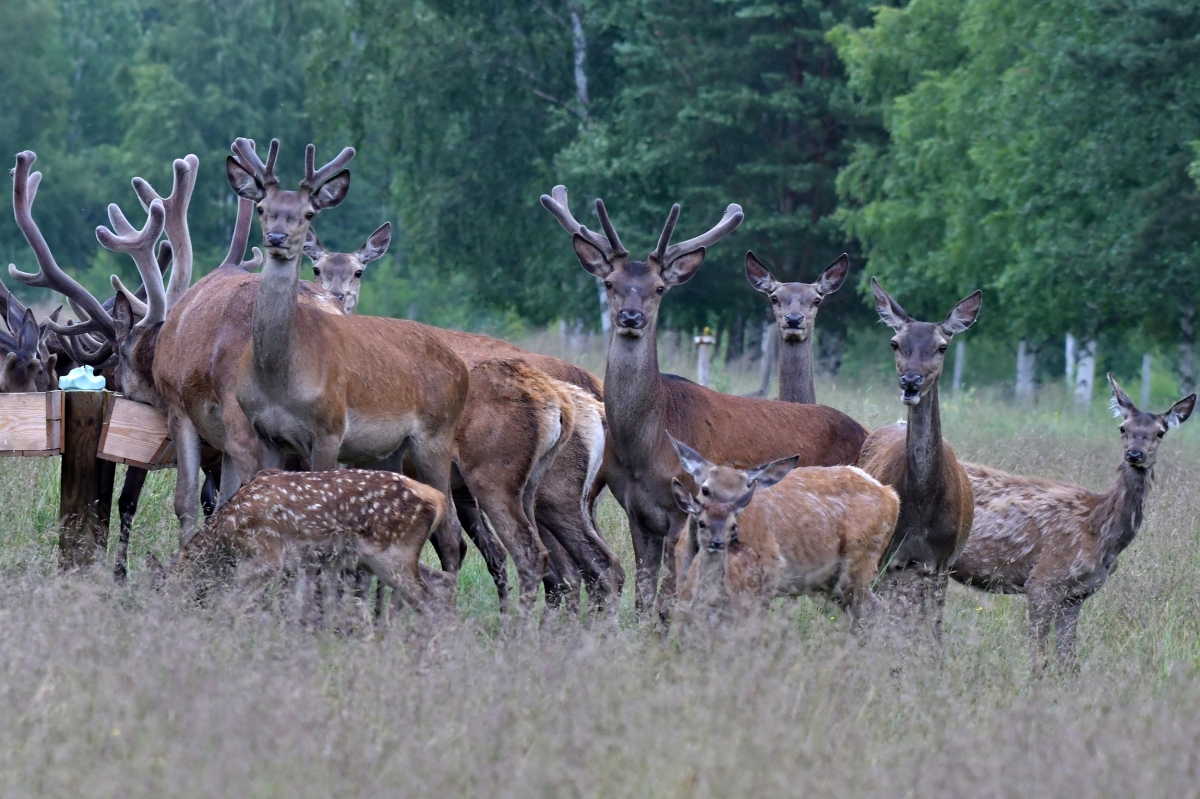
(27,366)
(820,530)
(1058,543)
(935,494)
(577,553)
(795,308)
(331,387)
(379,520)
(340,273)
(641,404)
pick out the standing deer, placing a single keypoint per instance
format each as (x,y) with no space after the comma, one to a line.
(1058,543)
(795,308)
(820,530)
(641,404)
(935,494)
(576,551)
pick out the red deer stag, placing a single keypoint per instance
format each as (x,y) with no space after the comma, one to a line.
(1058,543)
(819,530)
(575,548)
(935,495)
(795,308)
(641,404)
(374,519)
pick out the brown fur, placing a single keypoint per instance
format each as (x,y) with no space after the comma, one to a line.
(379,520)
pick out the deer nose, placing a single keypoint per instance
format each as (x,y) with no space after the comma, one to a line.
(911,382)
(631,319)
(1135,456)
(276,239)
(794,320)
(340,296)
(715,545)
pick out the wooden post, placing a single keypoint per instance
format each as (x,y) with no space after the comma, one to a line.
(85,499)
(704,347)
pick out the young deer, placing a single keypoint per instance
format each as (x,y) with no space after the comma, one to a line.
(1058,543)
(641,403)
(341,272)
(820,530)
(379,520)
(27,366)
(795,307)
(935,494)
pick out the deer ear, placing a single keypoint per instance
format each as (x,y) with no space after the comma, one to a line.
(964,314)
(332,191)
(29,334)
(683,498)
(1180,411)
(681,269)
(51,375)
(759,276)
(771,473)
(312,245)
(889,310)
(693,462)
(834,275)
(590,257)
(243,183)
(122,316)
(376,245)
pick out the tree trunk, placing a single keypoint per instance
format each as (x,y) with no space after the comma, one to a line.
(672,348)
(960,359)
(737,336)
(1187,349)
(831,348)
(770,356)
(754,340)
(1085,376)
(1146,373)
(1071,350)
(1026,371)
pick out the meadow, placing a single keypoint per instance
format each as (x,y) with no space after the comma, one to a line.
(123,691)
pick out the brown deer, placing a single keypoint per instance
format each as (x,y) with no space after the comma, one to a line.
(27,365)
(340,273)
(795,308)
(577,553)
(641,404)
(935,495)
(1058,543)
(379,520)
(820,530)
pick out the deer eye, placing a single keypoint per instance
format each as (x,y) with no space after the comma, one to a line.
(309,215)
(358,273)
(704,490)
(316,271)
(1122,429)
(701,525)
(660,289)
(816,302)
(895,344)
(774,300)
(942,349)
(260,209)
(1161,433)
(608,285)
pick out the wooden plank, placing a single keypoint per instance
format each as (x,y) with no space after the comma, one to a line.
(31,423)
(85,499)
(136,434)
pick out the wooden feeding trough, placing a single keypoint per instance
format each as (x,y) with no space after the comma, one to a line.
(31,424)
(136,434)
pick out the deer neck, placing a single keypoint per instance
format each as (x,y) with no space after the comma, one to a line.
(1119,515)
(796,381)
(710,588)
(923,445)
(275,315)
(632,379)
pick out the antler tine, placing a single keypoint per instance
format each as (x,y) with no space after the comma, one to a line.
(660,252)
(618,251)
(241,233)
(243,150)
(140,246)
(49,274)
(176,207)
(729,223)
(313,180)
(80,353)
(253,262)
(556,204)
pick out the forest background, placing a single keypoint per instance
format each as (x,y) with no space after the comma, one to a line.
(1047,152)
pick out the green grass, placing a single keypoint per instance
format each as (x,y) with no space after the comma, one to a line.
(108,691)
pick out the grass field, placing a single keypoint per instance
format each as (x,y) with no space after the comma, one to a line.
(108,691)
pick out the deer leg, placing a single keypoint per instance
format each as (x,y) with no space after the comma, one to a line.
(187,476)
(432,462)
(648,555)
(489,547)
(504,510)
(666,592)
(563,579)
(1066,622)
(1042,610)
(231,479)
(127,504)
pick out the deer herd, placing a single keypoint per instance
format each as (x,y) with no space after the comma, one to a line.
(349,441)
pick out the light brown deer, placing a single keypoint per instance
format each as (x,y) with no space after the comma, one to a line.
(795,308)
(1058,543)
(819,531)
(374,519)
(935,495)
(641,404)
(576,551)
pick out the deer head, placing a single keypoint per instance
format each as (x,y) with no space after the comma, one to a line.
(920,347)
(795,304)
(285,216)
(724,493)
(26,366)
(341,273)
(635,288)
(1141,431)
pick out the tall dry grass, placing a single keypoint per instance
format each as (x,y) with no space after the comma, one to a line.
(108,691)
